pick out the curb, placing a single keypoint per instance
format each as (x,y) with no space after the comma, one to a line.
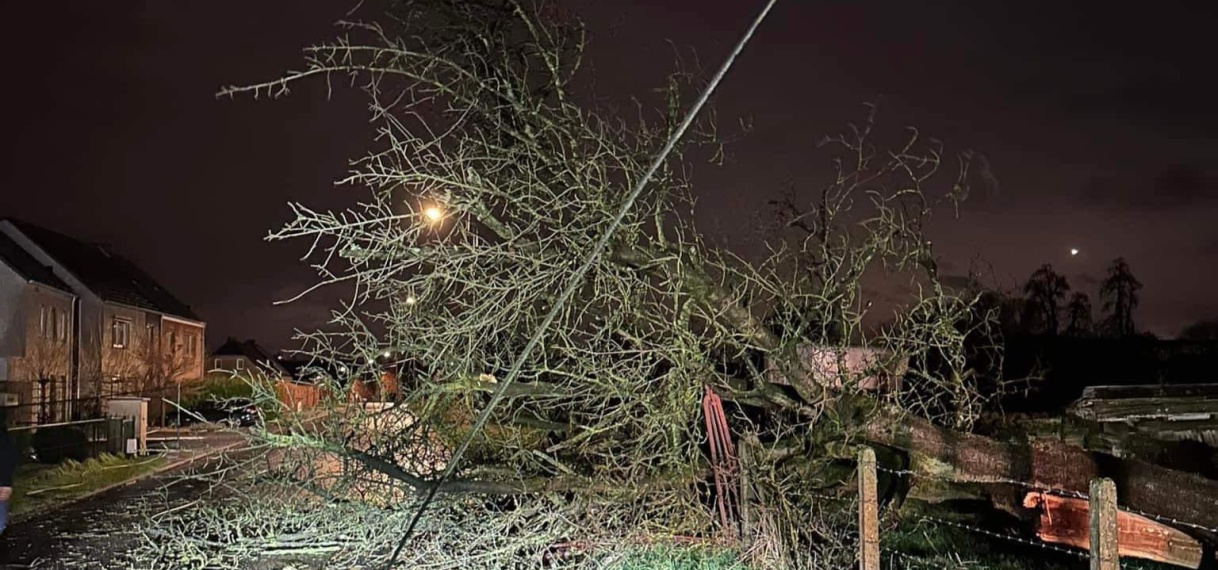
(25,517)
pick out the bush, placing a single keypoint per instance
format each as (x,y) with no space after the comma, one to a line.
(219,387)
(57,443)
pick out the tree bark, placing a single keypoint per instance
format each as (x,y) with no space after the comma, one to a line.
(969,458)
(1064,520)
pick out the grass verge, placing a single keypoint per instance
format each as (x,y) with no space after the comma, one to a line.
(677,558)
(37,487)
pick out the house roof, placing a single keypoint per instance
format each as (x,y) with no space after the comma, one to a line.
(12,254)
(250,350)
(107,274)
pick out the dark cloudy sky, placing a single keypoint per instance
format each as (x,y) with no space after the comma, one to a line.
(1098,120)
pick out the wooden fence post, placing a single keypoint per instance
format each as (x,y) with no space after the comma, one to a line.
(869,512)
(1104,530)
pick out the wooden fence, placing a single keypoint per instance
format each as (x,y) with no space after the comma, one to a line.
(298,397)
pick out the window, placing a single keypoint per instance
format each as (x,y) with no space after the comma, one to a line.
(173,343)
(240,364)
(217,365)
(61,327)
(120,332)
(42,321)
(189,341)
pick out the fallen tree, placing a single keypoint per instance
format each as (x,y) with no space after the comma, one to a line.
(496,169)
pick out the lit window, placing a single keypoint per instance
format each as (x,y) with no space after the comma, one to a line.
(120,332)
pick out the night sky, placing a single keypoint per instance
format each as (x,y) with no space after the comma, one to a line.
(1098,121)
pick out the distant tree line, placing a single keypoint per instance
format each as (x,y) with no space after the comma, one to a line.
(1049,306)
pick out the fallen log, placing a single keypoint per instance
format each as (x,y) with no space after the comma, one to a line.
(1066,520)
(969,458)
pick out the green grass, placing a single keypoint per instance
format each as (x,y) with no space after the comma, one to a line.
(37,486)
(674,558)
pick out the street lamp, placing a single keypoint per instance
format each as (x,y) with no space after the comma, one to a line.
(433,214)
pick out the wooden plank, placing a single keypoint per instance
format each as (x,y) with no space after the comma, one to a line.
(1191,408)
(1066,520)
(1151,391)
(869,512)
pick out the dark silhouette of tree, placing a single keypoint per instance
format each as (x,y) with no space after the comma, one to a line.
(1120,295)
(1078,315)
(1201,330)
(1045,290)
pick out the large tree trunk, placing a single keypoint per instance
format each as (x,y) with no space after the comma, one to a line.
(970,458)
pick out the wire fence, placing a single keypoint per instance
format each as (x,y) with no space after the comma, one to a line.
(1091,525)
(76,440)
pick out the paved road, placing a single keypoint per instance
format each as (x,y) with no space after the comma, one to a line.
(96,532)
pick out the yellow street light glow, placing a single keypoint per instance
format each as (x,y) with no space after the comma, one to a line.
(411,300)
(1074,251)
(433,214)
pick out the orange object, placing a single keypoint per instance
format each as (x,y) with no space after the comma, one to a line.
(1066,520)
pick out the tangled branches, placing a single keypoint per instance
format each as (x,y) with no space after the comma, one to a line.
(494,174)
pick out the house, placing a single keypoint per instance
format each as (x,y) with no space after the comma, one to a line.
(37,341)
(130,335)
(237,357)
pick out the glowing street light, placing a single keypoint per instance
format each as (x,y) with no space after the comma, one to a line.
(433,214)
(1073,251)
(410,300)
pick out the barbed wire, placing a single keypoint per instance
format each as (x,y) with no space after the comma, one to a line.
(1167,520)
(987,481)
(1170,521)
(909,560)
(1007,537)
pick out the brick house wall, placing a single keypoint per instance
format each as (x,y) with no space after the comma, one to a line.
(188,340)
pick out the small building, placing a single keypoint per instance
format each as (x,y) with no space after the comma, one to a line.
(1164,412)
(245,358)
